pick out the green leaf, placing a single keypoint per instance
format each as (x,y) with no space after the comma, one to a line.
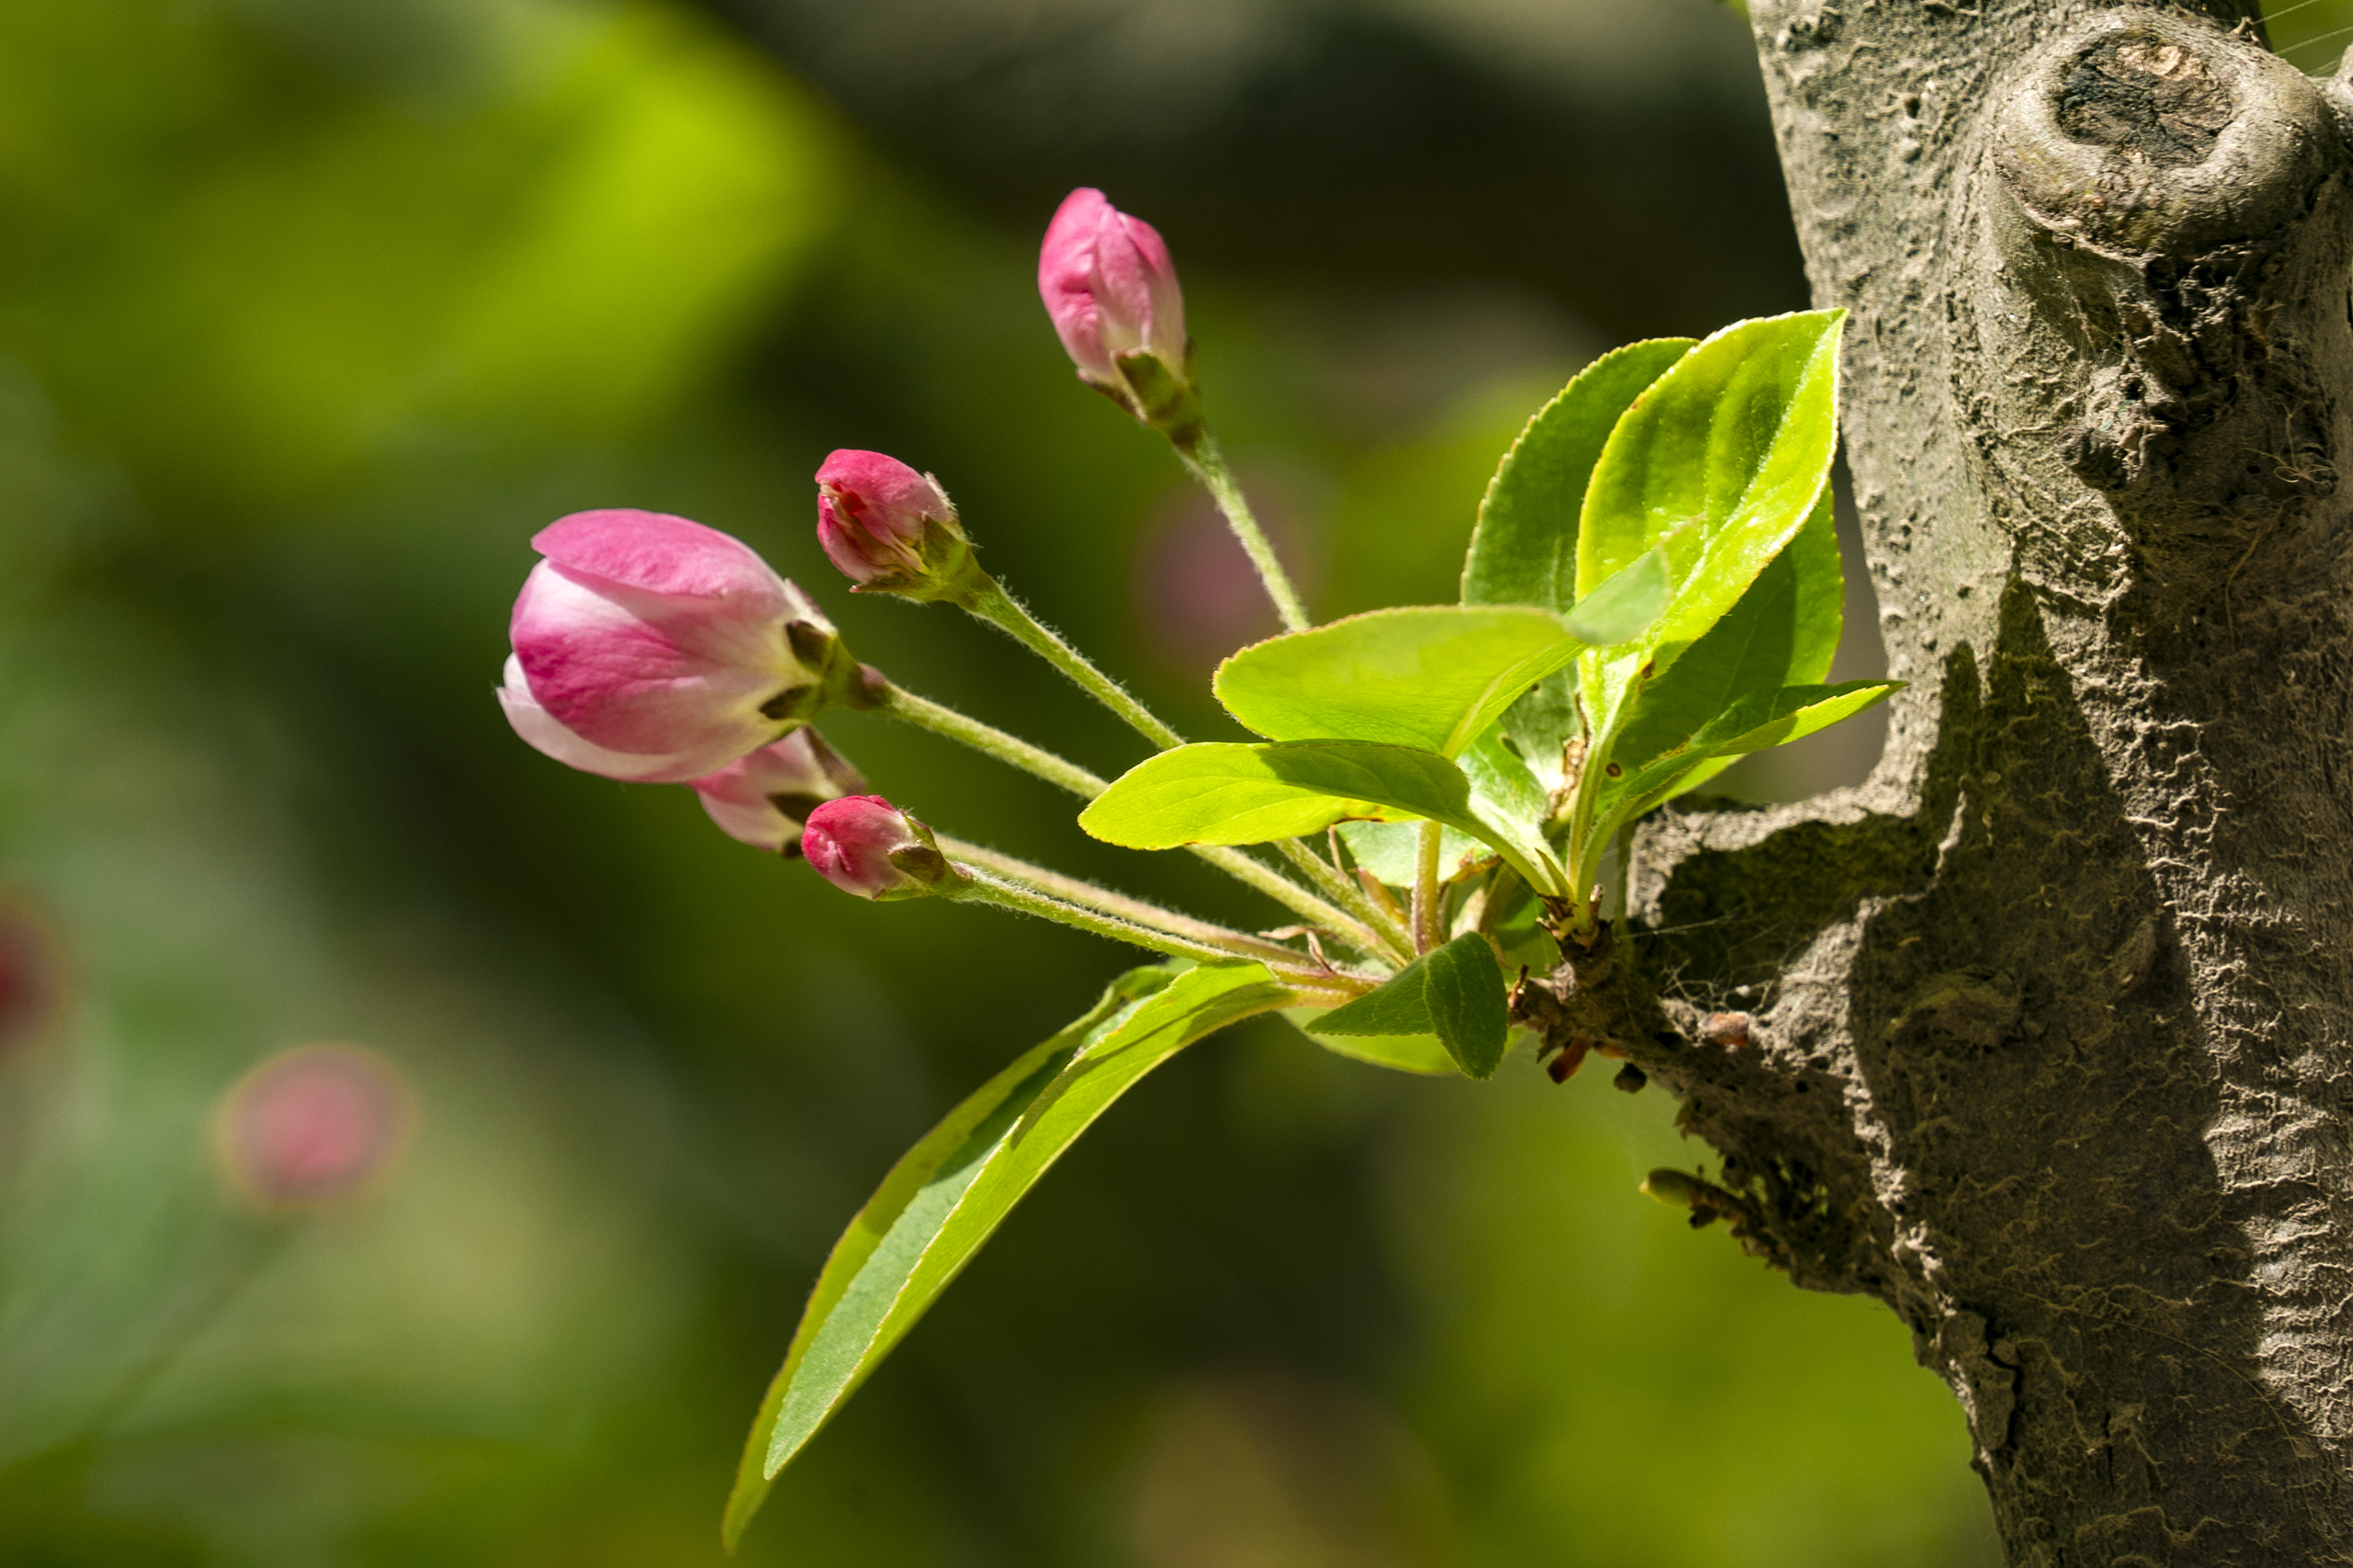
(1718,463)
(948,1194)
(1524,549)
(1783,631)
(1503,791)
(1391,850)
(1626,604)
(1755,724)
(1220,793)
(1455,992)
(1404,1053)
(1424,676)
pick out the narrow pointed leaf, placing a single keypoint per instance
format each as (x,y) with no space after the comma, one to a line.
(949,1194)
(1755,724)
(1455,992)
(1783,631)
(1718,463)
(1524,549)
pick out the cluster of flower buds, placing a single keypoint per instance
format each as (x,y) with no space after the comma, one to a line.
(892,530)
(864,844)
(765,799)
(649,648)
(1112,290)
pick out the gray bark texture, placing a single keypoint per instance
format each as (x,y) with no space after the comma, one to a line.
(2050,1048)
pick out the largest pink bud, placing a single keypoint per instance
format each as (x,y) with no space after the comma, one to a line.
(1112,290)
(650,647)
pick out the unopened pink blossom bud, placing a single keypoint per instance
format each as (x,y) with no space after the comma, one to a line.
(891,529)
(763,799)
(313,1126)
(650,647)
(863,843)
(1112,290)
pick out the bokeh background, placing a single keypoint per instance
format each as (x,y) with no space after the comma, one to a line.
(312,310)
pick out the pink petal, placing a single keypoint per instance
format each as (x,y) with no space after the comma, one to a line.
(539,728)
(657,553)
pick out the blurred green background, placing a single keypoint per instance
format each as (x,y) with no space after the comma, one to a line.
(312,310)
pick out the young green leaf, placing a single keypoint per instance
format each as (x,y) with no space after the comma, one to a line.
(1426,675)
(1220,792)
(1626,604)
(1524,549)
(948,1194)
(1756,722)
(1455,992)
(1783,631)
(1419,1053)
(1719,462)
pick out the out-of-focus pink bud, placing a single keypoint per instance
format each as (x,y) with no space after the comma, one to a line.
(863,843)
(32,980)
(1111,290)
(892,529)
(763,799)
(650,647)
(313,1126)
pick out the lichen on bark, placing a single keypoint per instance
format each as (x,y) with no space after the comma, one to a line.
(2049,1049)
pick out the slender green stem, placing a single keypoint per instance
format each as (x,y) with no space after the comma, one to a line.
(987,739)
(991,603)
(900,703)
(981,886)
(1208,465)
(1392,938)
(1425,886)
(1070,890)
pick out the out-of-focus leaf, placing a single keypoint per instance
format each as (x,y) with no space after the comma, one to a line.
(1524,550)
(1426,675)
(947,1195)
(1454,992)
(1718,463)
(1755,724)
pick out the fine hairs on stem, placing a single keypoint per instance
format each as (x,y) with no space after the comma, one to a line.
(1208,465)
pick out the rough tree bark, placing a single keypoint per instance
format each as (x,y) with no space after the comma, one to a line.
(2051,1050)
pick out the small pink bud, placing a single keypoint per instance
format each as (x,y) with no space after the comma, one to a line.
(650,647)
(763,799)
(313,1126)
(863,843)
(890,529)
(1111,290)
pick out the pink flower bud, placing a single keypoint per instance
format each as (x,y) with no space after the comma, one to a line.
(1113,292)
(863,843)
(313,1126)
(763,799)
(891,528)
(650,647)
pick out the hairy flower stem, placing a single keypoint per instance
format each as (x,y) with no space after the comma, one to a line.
(1425,887)
(1397,943)
(1086,895)
(983,886)
(1207,463)
(987,739)
(988,601)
